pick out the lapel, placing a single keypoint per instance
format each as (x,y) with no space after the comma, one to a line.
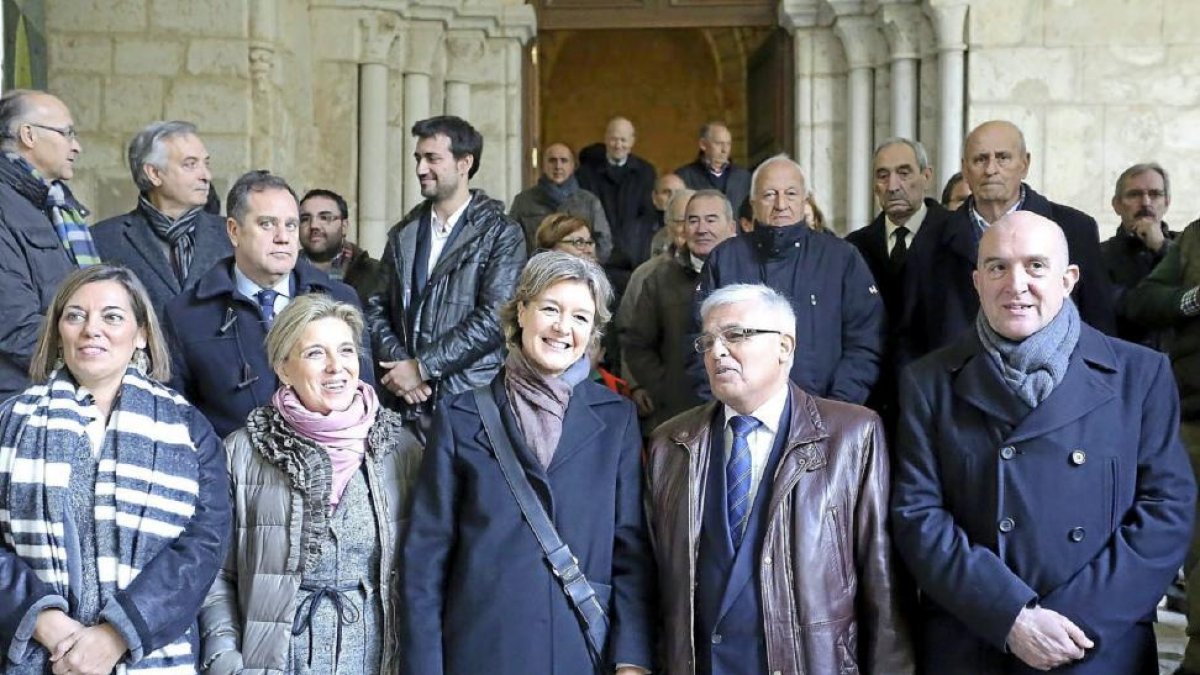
(875,241)
(468,229)
(960,235)
(979,384)
(1082,390)
(212,244)
(140,235)
(804,452)
(580,426)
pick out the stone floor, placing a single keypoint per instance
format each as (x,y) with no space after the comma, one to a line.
(1171,640)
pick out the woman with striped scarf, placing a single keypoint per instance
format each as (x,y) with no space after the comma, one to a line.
(114,499)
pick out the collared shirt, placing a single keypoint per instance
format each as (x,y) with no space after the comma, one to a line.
(614,162)
(913,224)
(441,232)
(697,263)
(250,289)
(982,224)
(761,439)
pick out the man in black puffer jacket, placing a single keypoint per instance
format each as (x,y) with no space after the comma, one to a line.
(448,267)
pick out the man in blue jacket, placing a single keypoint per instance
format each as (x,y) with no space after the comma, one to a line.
(218,327)
(839,314)
(1041,496)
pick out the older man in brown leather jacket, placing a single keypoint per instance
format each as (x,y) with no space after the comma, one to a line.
(768,510)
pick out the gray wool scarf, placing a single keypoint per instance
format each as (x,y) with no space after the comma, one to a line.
(1033,367)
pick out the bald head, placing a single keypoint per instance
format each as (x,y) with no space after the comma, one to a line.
(39,127)
(665,187)
(619,138)
(558,162)
(1023,275)
(994,163)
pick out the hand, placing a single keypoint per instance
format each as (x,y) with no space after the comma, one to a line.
(94,650)
(1045,639)
(420,394)
(1151,235)
(52,627)
(645,405)
(402,376)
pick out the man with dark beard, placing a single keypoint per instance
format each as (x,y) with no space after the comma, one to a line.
(839,314)
(324,220)
(448,267)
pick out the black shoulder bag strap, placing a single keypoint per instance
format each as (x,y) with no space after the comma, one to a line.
(562,562)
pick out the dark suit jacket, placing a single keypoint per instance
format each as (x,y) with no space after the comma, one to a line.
(1084,504)
(130,241)
(940,300)
(737,186)
(477,594)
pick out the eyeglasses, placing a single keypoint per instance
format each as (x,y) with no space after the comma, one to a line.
(578,243)
(1137,195)
(66,132)
(730,336)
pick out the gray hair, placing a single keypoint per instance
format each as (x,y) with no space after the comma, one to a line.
(915,146)
(781,157)
(710,193)
(1139,169)
(147,148)
(685,195)
(708,127)
(775,306)
(300,312)
(543,271)
(259,180)
(14,108)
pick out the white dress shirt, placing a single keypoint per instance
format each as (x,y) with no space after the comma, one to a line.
(761,439)
(913,224)
(441,232)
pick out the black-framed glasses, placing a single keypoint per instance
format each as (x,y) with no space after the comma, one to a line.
(579,243)
(730,336)
(66,132)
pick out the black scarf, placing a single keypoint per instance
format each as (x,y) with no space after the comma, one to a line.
(558,193)
(179,234)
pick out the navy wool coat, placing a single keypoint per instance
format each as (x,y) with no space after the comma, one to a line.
(1084,505)
(218,350)
(129,240)
(478,596)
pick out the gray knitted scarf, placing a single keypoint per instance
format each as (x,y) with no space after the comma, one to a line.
(1033,367)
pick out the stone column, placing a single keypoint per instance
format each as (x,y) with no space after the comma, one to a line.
(857,34)
(464,49)
(424,39)
(378,34)
(513,119)
(799,17)
(262,64)
(902,26)
(949,24)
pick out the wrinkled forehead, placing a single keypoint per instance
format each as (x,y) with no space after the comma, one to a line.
(1023,236)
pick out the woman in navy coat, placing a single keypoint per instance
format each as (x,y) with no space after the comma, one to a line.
(478,595)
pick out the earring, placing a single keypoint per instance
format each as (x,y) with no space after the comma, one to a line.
(141,362)
(58,361)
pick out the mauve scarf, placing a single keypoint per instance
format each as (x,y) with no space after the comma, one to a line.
(342,434)
(540,402)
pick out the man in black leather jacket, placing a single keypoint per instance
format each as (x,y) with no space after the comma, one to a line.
(447,268)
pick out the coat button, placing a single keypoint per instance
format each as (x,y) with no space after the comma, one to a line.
(1007,452)
(1007,524)
(767,560)
(716,638)
(1077,534)
(1078,457)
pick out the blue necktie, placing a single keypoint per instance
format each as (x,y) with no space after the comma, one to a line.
(266,304)
(737,477)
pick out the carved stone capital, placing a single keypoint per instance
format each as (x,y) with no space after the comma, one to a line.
(379,32)
(949,19)
(798,14)
(424,45)
(262,62)
(859,35)
(902,27)
(464,49)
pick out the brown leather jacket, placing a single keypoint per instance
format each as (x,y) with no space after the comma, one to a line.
(829,590)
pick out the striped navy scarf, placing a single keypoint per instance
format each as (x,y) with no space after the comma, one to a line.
(146,488)
(56,200)
(180,234)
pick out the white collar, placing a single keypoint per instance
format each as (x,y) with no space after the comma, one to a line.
(250,289)
(444,229)
(913,224)
(768,413)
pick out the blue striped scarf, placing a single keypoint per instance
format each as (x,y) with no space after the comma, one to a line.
(146,488)
(60,206)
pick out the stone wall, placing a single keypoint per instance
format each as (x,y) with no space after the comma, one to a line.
(1097,86)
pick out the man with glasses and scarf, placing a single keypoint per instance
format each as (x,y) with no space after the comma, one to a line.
(43,235)
(168,239)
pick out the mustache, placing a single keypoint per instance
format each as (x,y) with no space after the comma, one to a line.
(1144,213)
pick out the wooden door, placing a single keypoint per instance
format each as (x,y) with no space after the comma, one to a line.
(770,99)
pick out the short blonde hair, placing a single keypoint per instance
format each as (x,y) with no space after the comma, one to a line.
(300,312)
(543,271)
(49,345)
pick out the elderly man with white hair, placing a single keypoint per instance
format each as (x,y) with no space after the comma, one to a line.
(768,509)
(839,314)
